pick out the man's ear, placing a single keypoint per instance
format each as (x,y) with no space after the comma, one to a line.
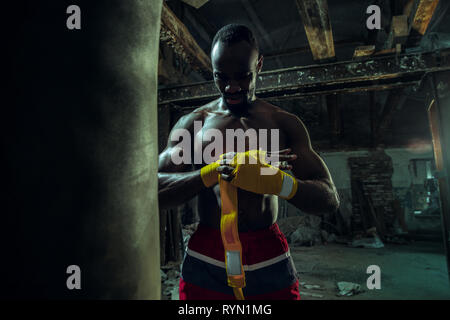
(260,63)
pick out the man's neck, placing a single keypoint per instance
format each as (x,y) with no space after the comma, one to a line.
(238,111)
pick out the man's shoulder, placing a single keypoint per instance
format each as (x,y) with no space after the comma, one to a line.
(278,114)
(205,109)
(198,114)
(287,122)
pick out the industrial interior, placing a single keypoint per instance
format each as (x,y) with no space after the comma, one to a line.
(92,108)
(368,99)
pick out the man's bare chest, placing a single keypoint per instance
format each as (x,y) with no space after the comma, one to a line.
(219,134)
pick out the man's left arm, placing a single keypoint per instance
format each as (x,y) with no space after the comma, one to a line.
(316,192)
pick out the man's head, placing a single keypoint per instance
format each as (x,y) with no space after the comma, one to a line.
(236,62)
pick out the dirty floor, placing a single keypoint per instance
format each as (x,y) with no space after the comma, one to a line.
(409,272)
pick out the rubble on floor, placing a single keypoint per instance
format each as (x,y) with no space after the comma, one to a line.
(348,288)
(328,237)
(305,230)
(312,286)
(170,279)
(303,285)
(187,231)
(310,294)
(371,243)
(372,240)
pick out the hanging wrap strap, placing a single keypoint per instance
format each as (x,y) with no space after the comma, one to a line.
(250,178)
(230,238)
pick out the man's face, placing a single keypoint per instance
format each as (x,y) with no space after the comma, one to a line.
(235,68)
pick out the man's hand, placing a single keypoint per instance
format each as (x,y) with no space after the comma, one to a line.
(226,168)
(252,172)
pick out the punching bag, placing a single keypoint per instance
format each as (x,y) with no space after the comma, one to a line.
(79,137)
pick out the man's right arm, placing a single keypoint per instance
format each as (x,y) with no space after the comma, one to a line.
(178,183)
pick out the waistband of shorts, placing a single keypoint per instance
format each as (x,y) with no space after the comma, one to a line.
(243,236)
(257,246)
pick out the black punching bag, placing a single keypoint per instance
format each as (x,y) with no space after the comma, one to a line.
(79,142)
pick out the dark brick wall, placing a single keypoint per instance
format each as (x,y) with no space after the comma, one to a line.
(375,173)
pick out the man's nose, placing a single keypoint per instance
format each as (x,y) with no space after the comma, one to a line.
(232,88)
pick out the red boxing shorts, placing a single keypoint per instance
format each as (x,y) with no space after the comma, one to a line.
(269,270)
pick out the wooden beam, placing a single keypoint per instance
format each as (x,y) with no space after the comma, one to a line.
(408,7)
(423,15)
(176,35)
(399,31)
(316,22)
(317,25)
(378,73)
(385,52)
(363,51)
(169,72)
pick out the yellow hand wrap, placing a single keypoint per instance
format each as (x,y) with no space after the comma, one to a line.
(254,174)
(209,174)
(230,238)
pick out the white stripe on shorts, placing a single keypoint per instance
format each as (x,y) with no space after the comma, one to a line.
(251,267)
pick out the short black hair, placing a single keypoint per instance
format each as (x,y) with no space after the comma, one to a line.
(234,33)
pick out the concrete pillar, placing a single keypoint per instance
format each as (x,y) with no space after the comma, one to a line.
(80,136)
(439,116)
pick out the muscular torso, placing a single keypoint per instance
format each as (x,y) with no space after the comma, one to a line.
(255,211)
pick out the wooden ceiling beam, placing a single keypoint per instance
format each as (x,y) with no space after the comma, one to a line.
(316,21)
(399,31)
(363,51)
(421,16)
(314,14)
(176,35)
(378,73)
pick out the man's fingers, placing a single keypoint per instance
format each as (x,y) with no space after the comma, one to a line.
(226,161)
(281,159)
(278,159)
(226,177)
(283,165)
(282,155)
(228,155)
(226,172)
(284,151)
(224,169)
(287,157)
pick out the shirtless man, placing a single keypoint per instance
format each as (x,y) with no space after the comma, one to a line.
(269,269)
